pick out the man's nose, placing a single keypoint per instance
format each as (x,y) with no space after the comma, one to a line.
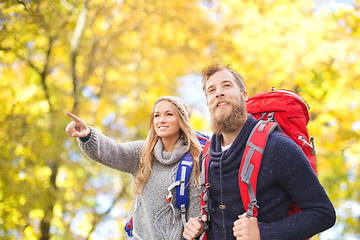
(219,92)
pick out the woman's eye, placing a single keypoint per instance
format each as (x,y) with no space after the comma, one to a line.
(169,114)
(156,115)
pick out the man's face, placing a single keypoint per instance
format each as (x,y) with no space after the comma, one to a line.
(226,102)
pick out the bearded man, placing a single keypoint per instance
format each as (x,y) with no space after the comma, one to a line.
(285,174)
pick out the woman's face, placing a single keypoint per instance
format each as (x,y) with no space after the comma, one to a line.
(166,122)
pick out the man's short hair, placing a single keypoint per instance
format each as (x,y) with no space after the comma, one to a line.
(211,69)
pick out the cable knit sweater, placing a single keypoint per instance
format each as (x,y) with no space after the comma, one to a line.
(153,217)
(284,175)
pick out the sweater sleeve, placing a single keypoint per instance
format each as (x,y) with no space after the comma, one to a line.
(121,156)
(194,199)
(295,175)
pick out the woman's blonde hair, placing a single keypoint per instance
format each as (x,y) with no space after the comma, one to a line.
(147,153)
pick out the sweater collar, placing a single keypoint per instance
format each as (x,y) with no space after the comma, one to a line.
(167,158)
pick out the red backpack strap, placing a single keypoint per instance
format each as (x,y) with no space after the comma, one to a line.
(250,164)
(204,185)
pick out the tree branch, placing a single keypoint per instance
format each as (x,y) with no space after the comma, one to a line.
(45,71)
(75,41)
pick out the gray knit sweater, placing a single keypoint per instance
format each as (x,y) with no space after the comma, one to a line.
(153,218)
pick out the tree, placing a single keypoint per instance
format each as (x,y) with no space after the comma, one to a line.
(108,61)
(72,55)
(296,45)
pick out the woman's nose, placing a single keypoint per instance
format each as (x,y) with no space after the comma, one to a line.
(162,119)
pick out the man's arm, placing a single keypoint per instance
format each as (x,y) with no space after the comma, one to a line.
(294,174)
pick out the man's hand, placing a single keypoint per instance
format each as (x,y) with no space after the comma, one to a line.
(246,228)
(194,227)
(77,127)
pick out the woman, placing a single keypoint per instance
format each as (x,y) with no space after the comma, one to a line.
(153,163)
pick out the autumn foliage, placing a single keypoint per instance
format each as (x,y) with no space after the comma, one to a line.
(108,61)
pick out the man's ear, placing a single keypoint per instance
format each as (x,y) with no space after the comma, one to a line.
(245,95)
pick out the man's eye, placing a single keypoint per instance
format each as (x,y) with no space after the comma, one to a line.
(211,90)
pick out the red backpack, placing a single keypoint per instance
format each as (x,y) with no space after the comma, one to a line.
(290,112)
(274,109)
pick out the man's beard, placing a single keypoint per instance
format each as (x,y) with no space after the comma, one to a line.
(228,122)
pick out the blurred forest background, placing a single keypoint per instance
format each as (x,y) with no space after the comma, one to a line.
(108,61)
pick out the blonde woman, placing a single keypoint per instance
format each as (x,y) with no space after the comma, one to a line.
(153,163)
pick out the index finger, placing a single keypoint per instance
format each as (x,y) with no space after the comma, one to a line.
(74,117)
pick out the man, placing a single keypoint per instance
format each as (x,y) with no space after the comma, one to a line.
(285,174)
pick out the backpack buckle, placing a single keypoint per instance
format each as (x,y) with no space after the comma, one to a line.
(183,209)
(250,211)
